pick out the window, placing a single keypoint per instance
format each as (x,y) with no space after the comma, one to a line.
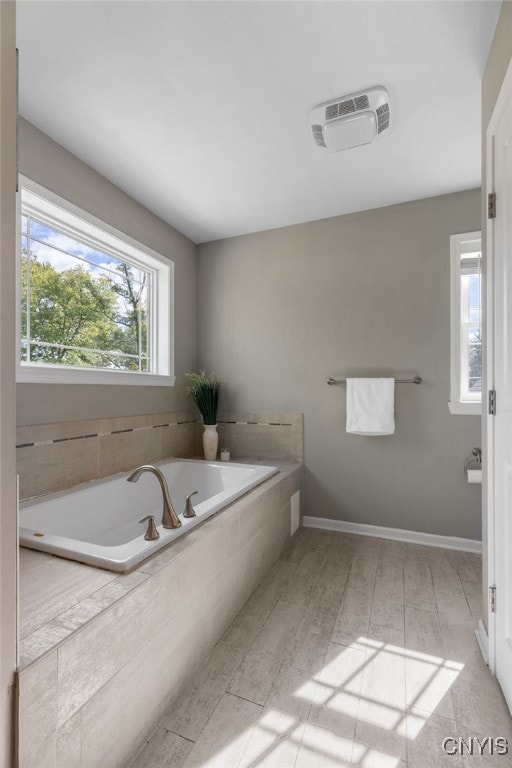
(94,305)
(466,331)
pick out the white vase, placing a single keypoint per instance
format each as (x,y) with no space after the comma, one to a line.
(210,442)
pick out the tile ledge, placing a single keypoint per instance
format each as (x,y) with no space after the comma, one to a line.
(286,470)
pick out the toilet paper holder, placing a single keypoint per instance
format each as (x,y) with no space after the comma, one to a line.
(474,460)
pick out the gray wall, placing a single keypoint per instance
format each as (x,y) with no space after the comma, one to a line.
(363,294)
(498,61)
(50,165)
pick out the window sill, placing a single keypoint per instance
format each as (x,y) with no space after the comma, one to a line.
(465,409)
(32,374)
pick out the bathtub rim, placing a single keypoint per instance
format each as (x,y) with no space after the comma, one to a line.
(105,556)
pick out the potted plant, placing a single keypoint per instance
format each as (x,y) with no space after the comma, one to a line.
(205,389)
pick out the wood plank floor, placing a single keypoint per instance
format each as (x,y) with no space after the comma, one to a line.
(352,652)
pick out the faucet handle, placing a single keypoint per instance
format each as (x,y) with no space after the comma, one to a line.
(189,509)
(151,531)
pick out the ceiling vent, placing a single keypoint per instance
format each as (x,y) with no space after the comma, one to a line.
(351,120)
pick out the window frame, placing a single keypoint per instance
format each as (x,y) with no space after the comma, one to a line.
(86,227)
(458,405)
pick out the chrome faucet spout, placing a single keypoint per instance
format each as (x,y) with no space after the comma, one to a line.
(169,517)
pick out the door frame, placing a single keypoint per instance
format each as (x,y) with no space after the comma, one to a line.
(8,512)
(488,496)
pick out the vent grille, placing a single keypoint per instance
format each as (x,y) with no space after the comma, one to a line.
(362,102)
(346,107)
(331,111)
(382,118)
(318,135)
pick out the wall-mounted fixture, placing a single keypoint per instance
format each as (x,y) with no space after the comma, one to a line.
(350,121)
(473,466)
(414,380)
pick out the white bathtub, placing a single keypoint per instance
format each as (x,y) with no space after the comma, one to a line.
(97,523)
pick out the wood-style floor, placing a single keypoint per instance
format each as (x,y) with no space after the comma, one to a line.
(352,652)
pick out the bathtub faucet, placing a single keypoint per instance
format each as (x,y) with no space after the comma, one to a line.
(169,517)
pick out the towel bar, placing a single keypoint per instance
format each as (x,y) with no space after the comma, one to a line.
(415,380)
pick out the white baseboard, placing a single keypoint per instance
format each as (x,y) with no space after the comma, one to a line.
(398,534)
(483,641)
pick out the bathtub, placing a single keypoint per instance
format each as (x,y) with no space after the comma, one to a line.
(97,523)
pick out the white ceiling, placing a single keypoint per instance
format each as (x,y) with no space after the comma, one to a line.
(199,110)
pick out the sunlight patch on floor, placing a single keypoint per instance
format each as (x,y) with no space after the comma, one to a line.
(385,690)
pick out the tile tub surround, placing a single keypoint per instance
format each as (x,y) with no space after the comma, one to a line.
(259,434)
(144,632)
(54,457)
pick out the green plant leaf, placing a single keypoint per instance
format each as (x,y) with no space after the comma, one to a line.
(205,390)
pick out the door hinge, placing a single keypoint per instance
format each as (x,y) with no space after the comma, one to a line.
(492,599)
(492,402)
(491,205)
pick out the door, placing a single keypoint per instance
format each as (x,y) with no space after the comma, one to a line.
(502,258)
(8,521)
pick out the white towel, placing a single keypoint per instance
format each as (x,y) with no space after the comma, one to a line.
(371,406)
